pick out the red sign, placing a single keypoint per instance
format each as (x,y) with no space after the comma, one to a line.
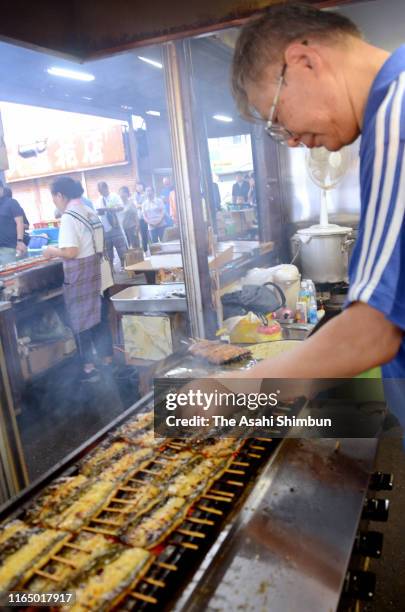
(93,149)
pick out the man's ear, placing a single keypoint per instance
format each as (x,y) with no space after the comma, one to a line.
(302,55)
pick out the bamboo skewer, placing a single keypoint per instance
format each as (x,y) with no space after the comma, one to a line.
(235,483)
(210,510)
(118,510)
(99,530)
(193,519)
(46,575)
(76,547)
(65,561)
(130,502)
(176,446)
(216,498)
(216,492)
(150,472)
(168,566)
(192,534)
(152,581)
(142,597)
(230,471)
(106,522)
(189,545)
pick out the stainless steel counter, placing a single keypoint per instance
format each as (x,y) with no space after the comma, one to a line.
(289,547)
(43,277)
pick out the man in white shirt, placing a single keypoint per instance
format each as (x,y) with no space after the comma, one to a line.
(153,210)
(110,209)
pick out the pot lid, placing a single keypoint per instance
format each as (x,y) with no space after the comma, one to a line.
(324,230)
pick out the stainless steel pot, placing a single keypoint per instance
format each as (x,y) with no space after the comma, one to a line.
(323,252)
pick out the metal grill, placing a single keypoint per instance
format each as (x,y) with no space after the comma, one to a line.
(181,552)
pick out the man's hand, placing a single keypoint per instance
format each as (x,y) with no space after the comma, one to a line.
(50,252)
(358,339)
(21,248)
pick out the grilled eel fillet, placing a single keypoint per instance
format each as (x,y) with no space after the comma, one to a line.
(130,505)
(192,483)
(142,438)
(89,550)
(70,502)
(218,353)
(162,470)
(103,587)
(116,461)
(153,527)
(141,423)
(212,447)
(142,496)
(21,550)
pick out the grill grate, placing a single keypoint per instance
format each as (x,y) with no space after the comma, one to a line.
(180,554)
(185,547)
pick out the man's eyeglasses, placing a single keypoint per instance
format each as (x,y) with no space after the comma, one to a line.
(274,130)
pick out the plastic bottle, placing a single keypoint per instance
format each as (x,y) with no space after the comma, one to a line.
(311,287)
(301,312)
(303,295)
(312,313)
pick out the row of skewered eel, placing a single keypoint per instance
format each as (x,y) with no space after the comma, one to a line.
(96,532)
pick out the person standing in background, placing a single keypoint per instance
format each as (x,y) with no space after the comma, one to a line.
(217,194)
(154,213)
(11,229)
(216,203)
(109,207)
(139,197)
(9,194)
(130,222)
(80,244)
(240,190)
(252,190)
(173,207)
(165,193)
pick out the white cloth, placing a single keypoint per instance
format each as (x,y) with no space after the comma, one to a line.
(152,211)
(74,233)
(111,201)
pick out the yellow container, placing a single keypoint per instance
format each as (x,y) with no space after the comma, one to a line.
(250,331)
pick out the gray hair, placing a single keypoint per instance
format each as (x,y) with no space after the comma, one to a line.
(263,41)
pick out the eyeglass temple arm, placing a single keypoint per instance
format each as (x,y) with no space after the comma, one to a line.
(276,97)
